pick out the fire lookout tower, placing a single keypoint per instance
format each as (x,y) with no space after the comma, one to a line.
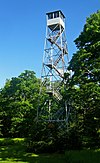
(54,68)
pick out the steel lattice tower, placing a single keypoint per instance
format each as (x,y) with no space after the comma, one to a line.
(54,68)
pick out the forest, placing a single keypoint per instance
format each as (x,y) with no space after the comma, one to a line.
(19,101)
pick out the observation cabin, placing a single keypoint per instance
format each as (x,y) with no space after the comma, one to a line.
(55,20)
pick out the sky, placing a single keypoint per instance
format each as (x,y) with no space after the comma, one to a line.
(23,31)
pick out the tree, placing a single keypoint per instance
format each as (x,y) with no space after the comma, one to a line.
(19,104)
(85,65)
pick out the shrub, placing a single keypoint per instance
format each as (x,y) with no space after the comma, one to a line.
(41,147)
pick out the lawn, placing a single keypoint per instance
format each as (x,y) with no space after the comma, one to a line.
(14,150)
(83,156)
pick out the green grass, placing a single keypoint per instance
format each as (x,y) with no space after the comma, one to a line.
(14,150)
(83,156)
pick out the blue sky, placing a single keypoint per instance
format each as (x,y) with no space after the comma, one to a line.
(22,31)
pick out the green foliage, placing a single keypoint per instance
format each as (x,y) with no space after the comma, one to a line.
(12,141)
(86,62)
(91,32)
(18,101)
(41,147)
(85,97)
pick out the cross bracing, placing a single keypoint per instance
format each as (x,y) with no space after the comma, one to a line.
(54,67)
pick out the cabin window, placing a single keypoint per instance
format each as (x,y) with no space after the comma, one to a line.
(56,14)
(50,16)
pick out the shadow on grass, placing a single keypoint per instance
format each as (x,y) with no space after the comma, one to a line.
(14,151)
(83,156)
